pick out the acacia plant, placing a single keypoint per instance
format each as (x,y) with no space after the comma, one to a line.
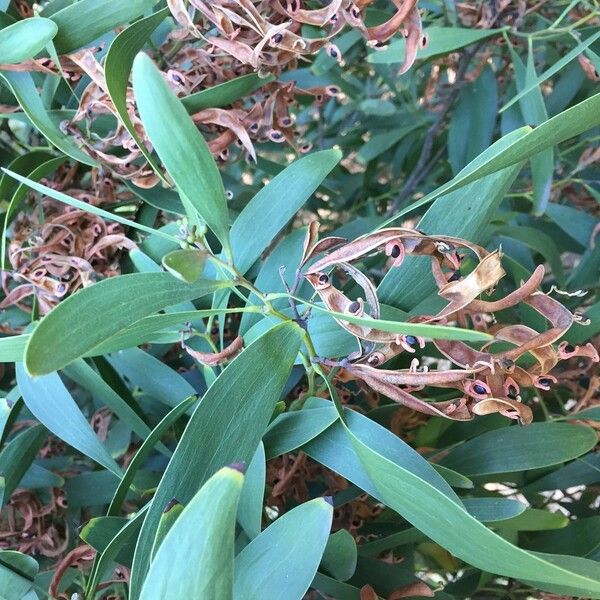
(299,299)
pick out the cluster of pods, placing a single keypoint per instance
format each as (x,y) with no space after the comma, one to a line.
(487,380)
(213,43)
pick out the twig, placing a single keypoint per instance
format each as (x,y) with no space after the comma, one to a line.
(422,167)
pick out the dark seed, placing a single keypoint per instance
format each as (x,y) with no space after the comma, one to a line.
(545,381)
(455,276)
(512,392)
(373,360)
(411,340)
(323,278)
(479,389)
(584,382)
(395,253)
(333,53)
(277,38)
(569,348)
(354,307)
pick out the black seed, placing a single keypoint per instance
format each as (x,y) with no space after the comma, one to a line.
(323,278)
(569,348)
(333,53)
(545,381)
(411,340)
(512,392)
(479,389)
(373,360)
(277,38)
(455,276)
(395,253)
(354,307)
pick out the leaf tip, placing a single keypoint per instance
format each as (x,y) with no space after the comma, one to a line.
(240,467)
(172,503)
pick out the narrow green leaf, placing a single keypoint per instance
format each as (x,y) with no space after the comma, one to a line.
(441,332)
(186,264)
(382,142)
(291,430)
(473,120)
(47,191)
(284,558)
(37,477)
(24,39)
(534,519)
(86,20)
(494,509)
(340,556)
(555,68)
(17,456)
(580,537)
(142,454)
(117,67)
(153,376)
(451,526)
(124,536)
(534,113)
(252,384)
(17,574)
(149,328)
(23,87)
(442,40)
(93,314)
(517,146)
(591,414)
(99,531)
(225,93)
(583,471)
(50,403)
(276,203)
(80,372)
(250,508)
(203,534)
(331,449)
(512,449)
(169,515)
(455,479)
(12,348)
(181,148)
